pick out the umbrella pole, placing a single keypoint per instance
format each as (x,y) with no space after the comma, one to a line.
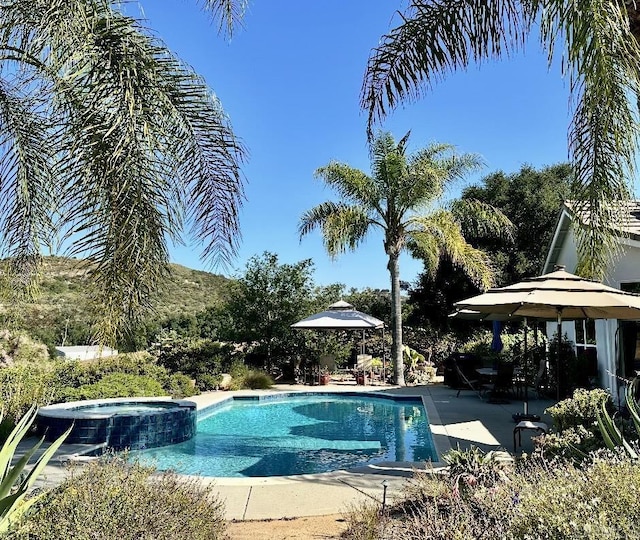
(384,361)
(559,376)
(526,365)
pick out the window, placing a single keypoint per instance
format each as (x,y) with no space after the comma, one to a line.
(630,339)
(586,350)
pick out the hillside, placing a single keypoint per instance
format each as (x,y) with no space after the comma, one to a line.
(62,306)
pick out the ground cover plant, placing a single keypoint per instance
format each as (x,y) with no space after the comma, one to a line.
(484,498)
(575,425)
(112,499)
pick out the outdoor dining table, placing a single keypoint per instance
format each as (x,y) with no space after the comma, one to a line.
(487,372)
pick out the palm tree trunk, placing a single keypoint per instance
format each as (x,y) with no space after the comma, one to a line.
(396,321)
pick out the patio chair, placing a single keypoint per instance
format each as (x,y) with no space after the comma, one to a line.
(468,383)
(503,384)
(540,383)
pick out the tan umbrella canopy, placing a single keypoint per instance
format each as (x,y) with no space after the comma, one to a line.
(558,295)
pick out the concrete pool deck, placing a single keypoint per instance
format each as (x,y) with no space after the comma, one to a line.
(464,421)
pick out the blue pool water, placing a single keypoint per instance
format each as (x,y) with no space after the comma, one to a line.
(298,435)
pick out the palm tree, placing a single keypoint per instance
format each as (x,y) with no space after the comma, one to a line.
(399,199)
(112,145)
(601,55)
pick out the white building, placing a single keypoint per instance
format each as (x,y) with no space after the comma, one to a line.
(85,352)
(613,346)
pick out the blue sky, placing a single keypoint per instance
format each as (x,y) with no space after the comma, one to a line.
(290,79)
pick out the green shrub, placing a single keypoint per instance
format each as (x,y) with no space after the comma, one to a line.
(245,377)
(124,375)
(21,387)
(537,500)
(257,380)
(114,500)
(475,467)
(138,363)
(597,501)
(578,410)
(576,431)
(180,386)
(206,382)
(191,356)
(115,385)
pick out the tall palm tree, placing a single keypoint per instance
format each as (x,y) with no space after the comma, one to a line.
(111,144)
(599,44)
(399,198)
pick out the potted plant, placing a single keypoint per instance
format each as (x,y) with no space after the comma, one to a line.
(324,377)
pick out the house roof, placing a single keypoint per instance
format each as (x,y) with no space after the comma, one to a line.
(628,226)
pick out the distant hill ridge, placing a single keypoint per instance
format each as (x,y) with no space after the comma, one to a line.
(64,296)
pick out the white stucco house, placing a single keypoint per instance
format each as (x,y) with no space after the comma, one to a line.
(85,352)
(612,347)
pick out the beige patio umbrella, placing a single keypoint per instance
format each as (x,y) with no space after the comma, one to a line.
(557,295)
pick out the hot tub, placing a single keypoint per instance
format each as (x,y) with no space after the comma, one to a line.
(120,423)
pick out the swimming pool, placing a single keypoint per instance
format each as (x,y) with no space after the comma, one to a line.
(291,434)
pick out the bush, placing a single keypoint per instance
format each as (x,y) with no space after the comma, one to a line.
(191,356)
(115,385)
(537,500)
(244,377)
(124,375)
(578,410)
(114,500)
(206,382)
(575,424)
(180,386)
(21,387)
(257,380)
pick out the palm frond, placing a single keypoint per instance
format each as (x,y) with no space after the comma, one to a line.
(26,198)
(349,183)
(479,219)
(435,38)
(228,13)
(602,57)
(343,226)
(388,167)
(441,233)
(143,146)
(432,170)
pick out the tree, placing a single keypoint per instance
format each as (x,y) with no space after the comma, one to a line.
(531,199)
(110,144)
(270,298)
(601,55)
(396,199)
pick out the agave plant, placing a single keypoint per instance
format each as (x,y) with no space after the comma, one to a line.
(611,434)
(14,484)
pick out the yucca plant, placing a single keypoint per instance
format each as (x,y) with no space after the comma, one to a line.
(611,434)
(13,484)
